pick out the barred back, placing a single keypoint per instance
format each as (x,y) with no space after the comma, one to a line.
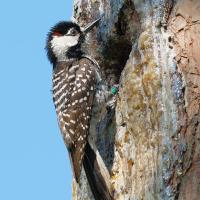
(73,92)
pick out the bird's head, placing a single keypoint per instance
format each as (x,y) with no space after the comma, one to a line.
(64,40)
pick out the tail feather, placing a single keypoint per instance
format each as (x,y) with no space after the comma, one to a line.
(96,178)
(75,160)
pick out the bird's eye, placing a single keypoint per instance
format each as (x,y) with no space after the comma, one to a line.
(57,33)
(72,32)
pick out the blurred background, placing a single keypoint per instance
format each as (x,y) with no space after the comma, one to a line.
(34,163)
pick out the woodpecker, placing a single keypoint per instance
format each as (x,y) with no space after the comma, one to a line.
(75,80)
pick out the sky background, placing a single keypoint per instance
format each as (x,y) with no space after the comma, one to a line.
(34,163)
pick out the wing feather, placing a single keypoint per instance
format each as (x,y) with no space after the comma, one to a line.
(77,112)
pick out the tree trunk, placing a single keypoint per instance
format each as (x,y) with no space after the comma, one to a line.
(151,143)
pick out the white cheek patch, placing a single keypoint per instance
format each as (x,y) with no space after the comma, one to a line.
(61,44)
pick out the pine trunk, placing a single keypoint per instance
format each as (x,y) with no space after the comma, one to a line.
(151,143)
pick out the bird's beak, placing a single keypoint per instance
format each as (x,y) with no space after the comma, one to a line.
(90,26)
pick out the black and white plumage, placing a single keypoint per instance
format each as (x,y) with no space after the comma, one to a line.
(73,92)
(75,77)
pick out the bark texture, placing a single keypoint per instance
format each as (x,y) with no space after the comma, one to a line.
(151,143)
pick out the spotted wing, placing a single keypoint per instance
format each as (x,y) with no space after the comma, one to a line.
(77,112)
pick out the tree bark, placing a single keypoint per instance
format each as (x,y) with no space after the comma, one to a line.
(151,143)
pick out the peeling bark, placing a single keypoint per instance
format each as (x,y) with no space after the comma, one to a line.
(151,143)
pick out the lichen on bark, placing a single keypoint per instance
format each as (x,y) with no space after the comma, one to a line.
(150,144)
